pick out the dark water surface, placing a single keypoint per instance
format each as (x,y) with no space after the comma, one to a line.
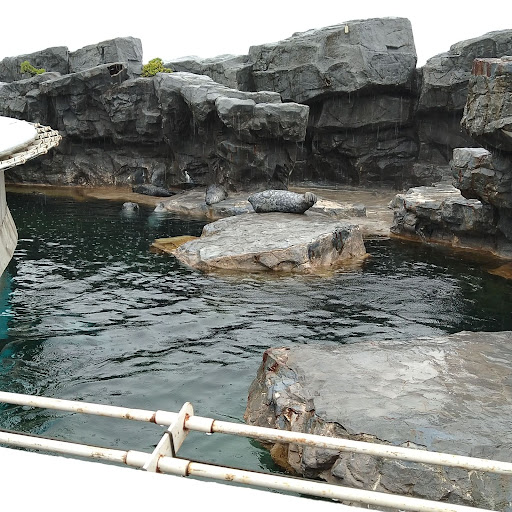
(88,313)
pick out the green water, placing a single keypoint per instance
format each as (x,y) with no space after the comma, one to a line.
(88,313)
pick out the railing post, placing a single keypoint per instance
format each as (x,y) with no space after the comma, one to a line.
(171,442)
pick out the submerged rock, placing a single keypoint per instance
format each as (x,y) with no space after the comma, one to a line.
(273,241)
(447,394)
(281,201)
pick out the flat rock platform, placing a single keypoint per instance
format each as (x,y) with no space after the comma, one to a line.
(273,241)
(448,394)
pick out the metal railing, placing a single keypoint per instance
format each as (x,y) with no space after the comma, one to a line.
(164,457)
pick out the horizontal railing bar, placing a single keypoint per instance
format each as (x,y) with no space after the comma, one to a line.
(111,411)
(319,489)
(177,466)
(347,445)
(209,425)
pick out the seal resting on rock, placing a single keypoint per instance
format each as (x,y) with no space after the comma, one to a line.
(281,201)
(215,194)
(152,190)
(130,207)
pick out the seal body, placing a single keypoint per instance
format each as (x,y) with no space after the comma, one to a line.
(281,201)
(130,207)
(160,207)
(215,194)
(152,190)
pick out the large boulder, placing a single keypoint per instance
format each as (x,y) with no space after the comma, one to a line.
(248,139)
(234,71)
(274,242)
(357,78)
(345,58)
(441,214)
(488,111)
(127,50)
(443,89)
(54,60)
(447,394)
(445,77)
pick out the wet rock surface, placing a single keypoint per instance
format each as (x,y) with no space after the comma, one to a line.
(449,394)
(443,84)
(273,242)
(478,212)
(488,111)
(356,111)
(116,129)
(441,214)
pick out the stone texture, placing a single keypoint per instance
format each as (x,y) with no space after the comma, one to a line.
(488,111)
(344,58)
(441,214)
(273,242)
(234,71)
(443,89)
(449,394)
(248,139)
(445,77)
(55,60)
(127,50)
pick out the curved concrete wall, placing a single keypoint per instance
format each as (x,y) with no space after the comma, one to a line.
(8,232)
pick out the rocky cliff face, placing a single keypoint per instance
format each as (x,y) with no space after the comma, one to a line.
(373,117)
(443,89)
(164,130)
(478,212)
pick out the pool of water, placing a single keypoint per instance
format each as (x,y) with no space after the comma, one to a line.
(87,312)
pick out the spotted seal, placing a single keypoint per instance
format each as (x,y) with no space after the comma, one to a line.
(215,194)
(281,201)
(130,207)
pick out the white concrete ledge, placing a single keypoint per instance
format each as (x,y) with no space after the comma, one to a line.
(15,135)
(46,482)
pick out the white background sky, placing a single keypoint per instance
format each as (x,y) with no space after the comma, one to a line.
(171,29)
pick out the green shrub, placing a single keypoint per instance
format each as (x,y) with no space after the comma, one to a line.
(26,67)
(153,67)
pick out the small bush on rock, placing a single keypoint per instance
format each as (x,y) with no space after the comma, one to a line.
(26,67)
(153,67)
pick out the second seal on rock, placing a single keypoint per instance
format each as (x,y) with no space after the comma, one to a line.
(281,201)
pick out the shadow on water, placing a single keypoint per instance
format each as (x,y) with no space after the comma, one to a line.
(89,313)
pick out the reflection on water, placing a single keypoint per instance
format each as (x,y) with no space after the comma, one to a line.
(88,313)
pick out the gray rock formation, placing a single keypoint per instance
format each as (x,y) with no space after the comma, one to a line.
(117,128)
(54,60)
(234,71)
(443,89)
(273,242)
(440,214)
(127,50)
(346,58)
(488,111)
(357,78)
(478,214)
(281,201)
(448,394)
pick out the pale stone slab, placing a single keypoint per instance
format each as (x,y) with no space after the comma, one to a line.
(273,241)
(15,135)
